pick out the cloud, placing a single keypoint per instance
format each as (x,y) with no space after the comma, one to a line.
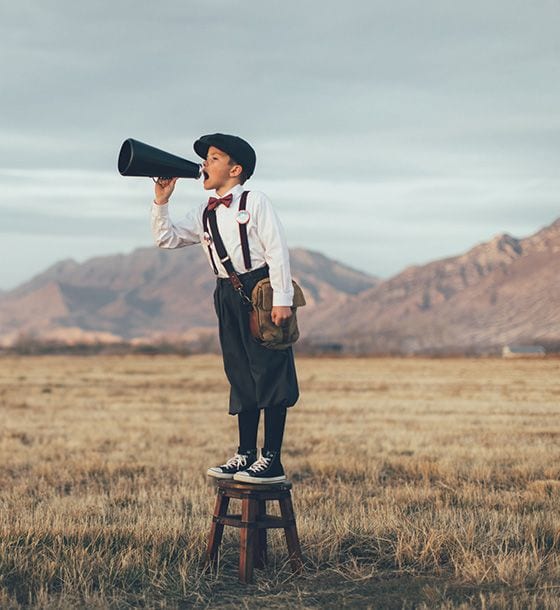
(439,121)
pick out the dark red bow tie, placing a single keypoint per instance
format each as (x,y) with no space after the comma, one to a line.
(213,202)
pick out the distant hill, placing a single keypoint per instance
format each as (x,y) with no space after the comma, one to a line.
(502,291)
(506,290)
(149,294)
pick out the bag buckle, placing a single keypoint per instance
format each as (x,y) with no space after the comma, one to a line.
(236,282)
(244,297)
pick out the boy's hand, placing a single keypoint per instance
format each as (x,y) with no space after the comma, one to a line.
(163,190)
(280,314)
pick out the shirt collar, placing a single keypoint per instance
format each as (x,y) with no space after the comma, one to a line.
(236,192)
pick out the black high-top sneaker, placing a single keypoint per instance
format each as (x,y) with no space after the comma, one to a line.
(237,463)
(267,469)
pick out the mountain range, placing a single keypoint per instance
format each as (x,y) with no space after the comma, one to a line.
(500,292)
(503,291)
(146,296)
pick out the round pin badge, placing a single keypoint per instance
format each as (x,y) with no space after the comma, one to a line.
(206,238)
(243,217)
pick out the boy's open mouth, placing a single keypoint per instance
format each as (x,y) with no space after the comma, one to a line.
(205,174)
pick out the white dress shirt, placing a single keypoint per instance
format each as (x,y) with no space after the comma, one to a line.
(265,234)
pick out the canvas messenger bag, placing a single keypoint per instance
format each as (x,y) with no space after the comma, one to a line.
(260,320)
(261,325)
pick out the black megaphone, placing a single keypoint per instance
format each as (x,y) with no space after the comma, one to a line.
(139,159)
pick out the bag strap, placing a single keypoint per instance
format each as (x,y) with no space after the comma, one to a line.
(224,257)
(243,233)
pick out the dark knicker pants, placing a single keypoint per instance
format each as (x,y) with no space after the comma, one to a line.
(260,378)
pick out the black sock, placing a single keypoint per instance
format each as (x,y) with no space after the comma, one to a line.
(248,423)
(274,423)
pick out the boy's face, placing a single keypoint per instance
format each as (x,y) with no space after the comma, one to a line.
(219,171)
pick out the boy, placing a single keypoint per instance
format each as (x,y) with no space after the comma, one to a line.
(260,378)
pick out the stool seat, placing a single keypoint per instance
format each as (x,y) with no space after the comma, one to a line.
(253,523)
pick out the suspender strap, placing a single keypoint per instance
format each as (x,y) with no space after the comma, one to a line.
(205,225)
(219,243)
(243,233)
(224,257)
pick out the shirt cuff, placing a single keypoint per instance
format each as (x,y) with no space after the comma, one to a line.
(282,299)
(160,210)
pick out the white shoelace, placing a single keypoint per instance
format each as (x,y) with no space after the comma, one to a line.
(261,464)
(238,460)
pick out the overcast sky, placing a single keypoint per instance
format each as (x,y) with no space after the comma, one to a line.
(387,133)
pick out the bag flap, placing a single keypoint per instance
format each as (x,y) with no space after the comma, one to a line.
(299,297)
(262,295)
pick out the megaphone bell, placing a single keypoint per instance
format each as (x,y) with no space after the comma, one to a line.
(139,159)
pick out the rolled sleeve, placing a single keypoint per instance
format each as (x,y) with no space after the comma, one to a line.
(284,299)
(168,234)
(276,254)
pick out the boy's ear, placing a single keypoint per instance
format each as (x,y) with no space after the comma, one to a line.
(236,171)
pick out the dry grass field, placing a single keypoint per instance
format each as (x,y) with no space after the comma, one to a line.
(418,483)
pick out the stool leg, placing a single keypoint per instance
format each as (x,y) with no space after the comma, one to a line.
(248,538)
(261,555)
(217,529)
(292,540)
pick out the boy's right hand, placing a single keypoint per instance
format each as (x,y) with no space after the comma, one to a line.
(163,190)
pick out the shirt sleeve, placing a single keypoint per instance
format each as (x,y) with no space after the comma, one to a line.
(273,239)
(168,234)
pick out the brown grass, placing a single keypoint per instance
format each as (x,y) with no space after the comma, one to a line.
(417,484)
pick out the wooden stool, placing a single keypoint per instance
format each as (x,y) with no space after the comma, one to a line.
(254,522)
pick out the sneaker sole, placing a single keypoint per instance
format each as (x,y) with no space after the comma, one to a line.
(219,475)
(259,480)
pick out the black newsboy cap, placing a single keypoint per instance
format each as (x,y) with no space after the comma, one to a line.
(237,148)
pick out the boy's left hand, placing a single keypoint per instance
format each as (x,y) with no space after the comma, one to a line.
(280,314)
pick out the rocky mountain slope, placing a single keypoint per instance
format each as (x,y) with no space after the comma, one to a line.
(148,294)
(503,291)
